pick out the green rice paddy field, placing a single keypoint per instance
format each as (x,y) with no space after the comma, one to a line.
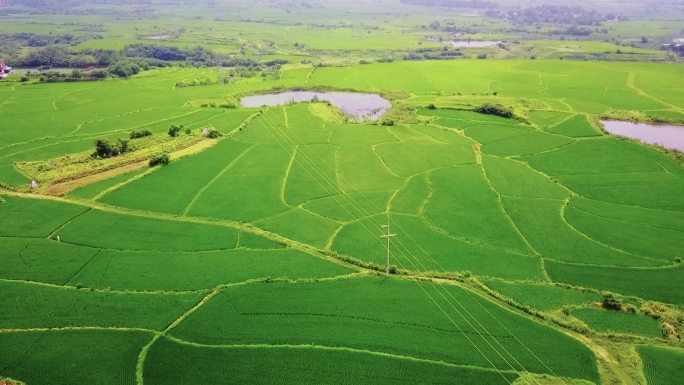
(259,260)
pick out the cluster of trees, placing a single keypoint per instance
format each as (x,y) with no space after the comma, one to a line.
(175,130)
(160,160)
(73,76)
(56,56)
(495,109)
(47,51)
(38,40)
(43,50)
(554,14)
(126,67)
(135,134)
(105,149)
(159,52)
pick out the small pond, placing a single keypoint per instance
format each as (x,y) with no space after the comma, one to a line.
(473,43)
(664,135)
(359,106)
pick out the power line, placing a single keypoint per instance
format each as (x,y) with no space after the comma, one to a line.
(285,138)
(389,237)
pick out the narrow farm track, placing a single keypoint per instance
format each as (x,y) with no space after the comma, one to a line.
(631,84)
(323,348)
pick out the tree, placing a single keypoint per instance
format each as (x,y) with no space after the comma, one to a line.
(174,130)
(214,134)
(160,160)
(495,109)
(611,302)
(139,134)
(102,149)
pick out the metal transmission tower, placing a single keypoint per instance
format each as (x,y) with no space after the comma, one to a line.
(388,234)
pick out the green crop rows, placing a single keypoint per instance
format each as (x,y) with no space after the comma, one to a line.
(259,258)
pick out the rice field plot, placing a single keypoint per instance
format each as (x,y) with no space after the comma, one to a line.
(542,224)
(514,178)
(486,133)
(408,159)
(303,225)
(463,204)
(617,171)
(171,360)
(637,237)
(595,156)
(107,230)
(527,143)
(311,174)
(411,197)
(389,308)
(662,366)
(173,189)
(98,189)
(185,271)
(577,126)
(543,297)
(545,119)
(40,306)
(613,322)
(26,218)
(231,194)
(658,283)
(65,357)
(659,191)
(42,260)
(424,248)
(350,206)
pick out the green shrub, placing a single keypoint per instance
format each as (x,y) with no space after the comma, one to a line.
(174,130)
(139,134)
(214,134)
(104,149)
(495,109)
(160,160)
(611,302)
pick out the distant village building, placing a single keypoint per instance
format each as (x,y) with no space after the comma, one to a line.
(5,70)
(677,46)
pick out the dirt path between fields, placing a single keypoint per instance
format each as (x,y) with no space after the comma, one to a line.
(61,188)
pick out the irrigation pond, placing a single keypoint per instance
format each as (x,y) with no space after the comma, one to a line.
(358,106)
(664,135)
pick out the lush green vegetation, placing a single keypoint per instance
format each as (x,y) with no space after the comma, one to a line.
(613,322)
(512,216)
(661,365)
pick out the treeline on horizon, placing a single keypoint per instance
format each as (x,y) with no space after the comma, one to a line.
(52,51)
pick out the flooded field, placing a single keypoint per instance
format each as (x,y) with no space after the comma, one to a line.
(664,135)
(358,106)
